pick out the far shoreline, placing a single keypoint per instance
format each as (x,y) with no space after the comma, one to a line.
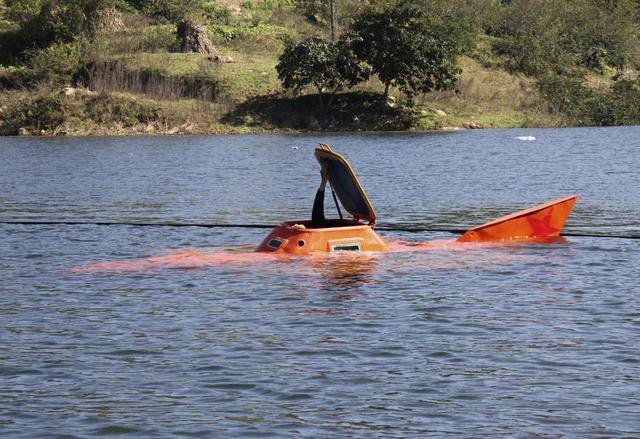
(299,133)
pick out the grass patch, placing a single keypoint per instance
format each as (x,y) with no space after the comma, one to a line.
(49,112)
(488,98)
(248,76)
(115,75)
(138,39)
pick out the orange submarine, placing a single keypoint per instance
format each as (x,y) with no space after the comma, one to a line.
(542,223)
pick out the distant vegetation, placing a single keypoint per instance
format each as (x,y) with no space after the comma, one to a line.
(114,66)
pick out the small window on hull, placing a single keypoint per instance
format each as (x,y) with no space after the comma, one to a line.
(275,243)
(346,247)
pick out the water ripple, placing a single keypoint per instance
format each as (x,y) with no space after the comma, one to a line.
(503,341)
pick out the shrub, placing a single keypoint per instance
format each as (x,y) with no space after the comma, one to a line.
(171,11)
(267,5)
(48,22)
(56,64)
(108,109)
(319,11)
(567,95)
(544,35)
(44,111)
(216,14)
(20,11)
(243,32)
(619,107)
(15,77)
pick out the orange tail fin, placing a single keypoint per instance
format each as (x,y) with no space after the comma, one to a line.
(539,222)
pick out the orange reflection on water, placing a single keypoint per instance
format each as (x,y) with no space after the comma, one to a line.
(184,259)
(341,267)
(344,269)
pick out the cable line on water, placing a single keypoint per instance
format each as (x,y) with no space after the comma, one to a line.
(270,226)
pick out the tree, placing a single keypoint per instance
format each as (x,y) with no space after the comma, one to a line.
(335,14)
(22,10)
(404,51)
(539,36)
(168,10)
(326,65)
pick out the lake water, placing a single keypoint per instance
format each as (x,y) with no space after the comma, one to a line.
(528,340)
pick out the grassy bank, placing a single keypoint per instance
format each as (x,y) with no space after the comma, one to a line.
(249,99)
(133,81)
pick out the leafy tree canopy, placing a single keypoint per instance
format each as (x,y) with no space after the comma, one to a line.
(326,65)
(540,36)
(168,10)
(404,51)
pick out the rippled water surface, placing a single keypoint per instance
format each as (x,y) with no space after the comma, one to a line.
(528,340)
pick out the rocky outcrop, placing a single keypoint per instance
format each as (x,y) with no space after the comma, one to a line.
(194,38)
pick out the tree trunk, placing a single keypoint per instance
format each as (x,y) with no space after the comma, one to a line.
(333,19)
(320,100)
(332,97)
(386,91)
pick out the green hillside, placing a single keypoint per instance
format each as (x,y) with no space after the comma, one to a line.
(89,67)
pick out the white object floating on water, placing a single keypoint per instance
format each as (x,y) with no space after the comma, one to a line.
(294,147)
(526,138)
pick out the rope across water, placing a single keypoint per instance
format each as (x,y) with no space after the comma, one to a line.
(270,226)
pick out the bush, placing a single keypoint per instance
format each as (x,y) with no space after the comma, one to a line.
(319,11)
(56,64)
(620,107)
(556,35)
(20,11)
(15,77)
(44,111)
(267,5)
(216,14)
(245,32)
(56,21)
(108,109)
(171,11)
(567,95)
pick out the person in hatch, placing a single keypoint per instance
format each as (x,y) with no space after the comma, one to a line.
(317,214)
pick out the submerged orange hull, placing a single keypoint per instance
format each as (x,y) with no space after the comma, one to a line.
(541,222)
(298,238)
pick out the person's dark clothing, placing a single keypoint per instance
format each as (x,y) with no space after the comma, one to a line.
(317,214)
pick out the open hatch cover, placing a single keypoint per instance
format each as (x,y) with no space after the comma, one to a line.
(345,183)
